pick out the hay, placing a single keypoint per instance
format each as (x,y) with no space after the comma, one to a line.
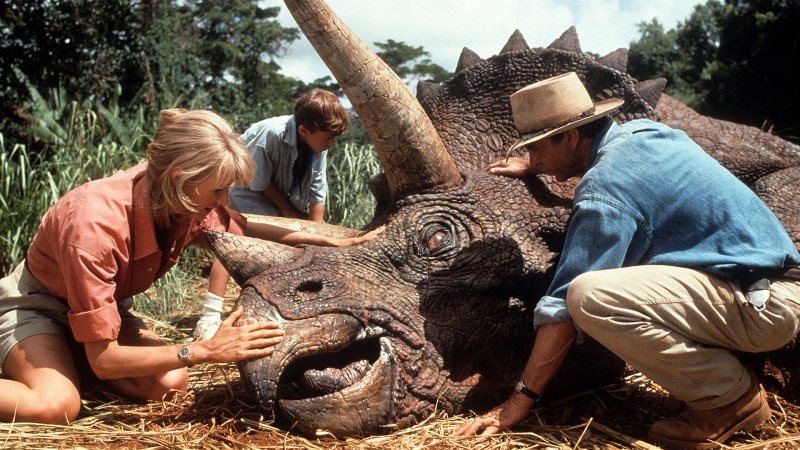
(216,413)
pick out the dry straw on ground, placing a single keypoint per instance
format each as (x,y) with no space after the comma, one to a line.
(216,413)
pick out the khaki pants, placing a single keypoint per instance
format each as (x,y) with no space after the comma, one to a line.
(28,309)
(678,326)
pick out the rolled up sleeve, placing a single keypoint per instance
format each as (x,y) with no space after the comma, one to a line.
(89,278)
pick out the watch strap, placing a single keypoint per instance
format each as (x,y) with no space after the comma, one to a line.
(522,389)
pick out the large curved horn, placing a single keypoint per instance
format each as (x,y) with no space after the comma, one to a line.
(411,152)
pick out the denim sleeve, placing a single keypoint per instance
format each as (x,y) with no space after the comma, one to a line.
(599,237)
(319,184)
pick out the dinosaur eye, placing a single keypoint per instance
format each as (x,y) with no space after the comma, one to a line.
(435,242)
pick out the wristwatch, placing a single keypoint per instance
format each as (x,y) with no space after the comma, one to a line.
(522,389)
(184,352)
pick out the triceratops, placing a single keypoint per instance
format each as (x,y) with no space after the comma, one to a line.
(436,312)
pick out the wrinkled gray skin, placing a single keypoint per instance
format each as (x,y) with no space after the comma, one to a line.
(436,313)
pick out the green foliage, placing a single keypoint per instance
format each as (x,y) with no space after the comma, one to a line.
(737,61)
(350,167)
(84,47)
(405,60)
(754,77)
(144,57)
(83,148)
(682,55)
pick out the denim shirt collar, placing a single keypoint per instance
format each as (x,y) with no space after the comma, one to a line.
(600,141)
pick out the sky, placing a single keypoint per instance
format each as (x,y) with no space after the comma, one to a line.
(445,27)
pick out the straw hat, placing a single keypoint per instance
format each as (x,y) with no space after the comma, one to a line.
(555,105)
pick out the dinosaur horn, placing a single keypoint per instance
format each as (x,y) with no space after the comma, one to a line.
(411,152)
(246,257)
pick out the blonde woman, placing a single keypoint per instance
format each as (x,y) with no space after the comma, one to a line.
(65,310)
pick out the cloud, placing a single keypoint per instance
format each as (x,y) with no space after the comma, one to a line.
(444,27)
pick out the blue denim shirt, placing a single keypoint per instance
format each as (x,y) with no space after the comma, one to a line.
(653,196)
(273,144)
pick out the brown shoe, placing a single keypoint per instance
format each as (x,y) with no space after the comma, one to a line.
(693,429)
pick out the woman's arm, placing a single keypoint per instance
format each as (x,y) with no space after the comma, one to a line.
(112,360)
(291,237)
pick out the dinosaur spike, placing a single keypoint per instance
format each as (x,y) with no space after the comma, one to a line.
(651,90)
(568,41)
(467,58)
(618,59)
(515,42)
(425,88)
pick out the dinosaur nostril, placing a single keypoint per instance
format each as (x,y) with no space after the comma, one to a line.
(310,286)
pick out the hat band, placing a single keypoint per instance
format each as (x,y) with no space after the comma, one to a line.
(580,116)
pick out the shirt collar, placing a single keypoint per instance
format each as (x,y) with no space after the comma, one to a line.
(290,136)
(600,141)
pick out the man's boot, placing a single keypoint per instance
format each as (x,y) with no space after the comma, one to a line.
(693,429)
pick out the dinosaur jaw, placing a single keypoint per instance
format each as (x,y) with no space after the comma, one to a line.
(356,409)
(330,372)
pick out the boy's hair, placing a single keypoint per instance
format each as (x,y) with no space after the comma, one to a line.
(190,147)
(320,110)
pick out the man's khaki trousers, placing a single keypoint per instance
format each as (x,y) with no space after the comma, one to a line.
(678,326)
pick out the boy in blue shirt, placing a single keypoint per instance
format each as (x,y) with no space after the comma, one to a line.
(290,154)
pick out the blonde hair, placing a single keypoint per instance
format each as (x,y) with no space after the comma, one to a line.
(190,147)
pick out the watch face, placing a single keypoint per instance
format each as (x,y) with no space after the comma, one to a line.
(184,352)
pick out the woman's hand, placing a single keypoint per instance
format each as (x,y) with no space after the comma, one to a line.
(232,344)
(512,167)
(360,239)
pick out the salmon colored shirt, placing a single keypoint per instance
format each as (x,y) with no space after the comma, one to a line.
(99,243)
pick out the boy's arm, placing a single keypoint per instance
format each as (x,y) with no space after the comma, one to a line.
(283,205)
(317,212)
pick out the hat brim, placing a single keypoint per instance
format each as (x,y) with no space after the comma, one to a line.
(601,109)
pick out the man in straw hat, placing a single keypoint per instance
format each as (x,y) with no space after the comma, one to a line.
(669,261)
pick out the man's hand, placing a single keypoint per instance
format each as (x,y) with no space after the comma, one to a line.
(511,167)
(502,417)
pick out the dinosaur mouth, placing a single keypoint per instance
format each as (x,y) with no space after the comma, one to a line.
(345,393)
(323,374)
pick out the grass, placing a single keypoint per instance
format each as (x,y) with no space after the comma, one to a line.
(350,168)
